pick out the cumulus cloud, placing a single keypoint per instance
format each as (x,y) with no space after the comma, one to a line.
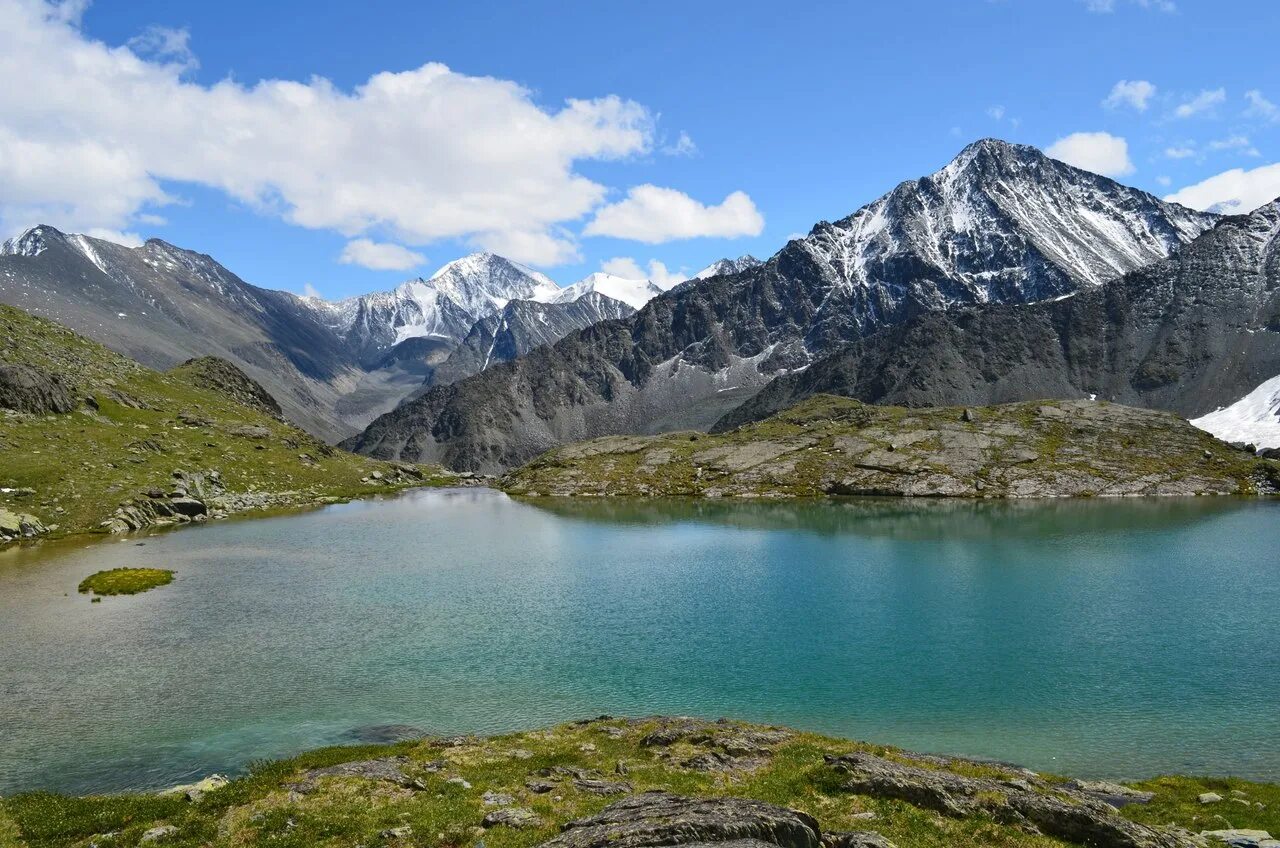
(1234,191)
(1134,93)
(995,112)
(1099,152)
(1260,107)
(380,256)
(657,272)
(653,214)
(1202,102)
(94,134)
(126,239)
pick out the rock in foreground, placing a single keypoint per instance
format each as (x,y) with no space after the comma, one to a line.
(776,788)
(837,446)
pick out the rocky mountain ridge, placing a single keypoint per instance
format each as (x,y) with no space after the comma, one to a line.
(1189,334)
(1002,223)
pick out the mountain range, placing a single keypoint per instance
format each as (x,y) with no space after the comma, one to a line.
(1000,225)
(333,366)
(1004,276)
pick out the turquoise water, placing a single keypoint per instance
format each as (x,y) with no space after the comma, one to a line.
(1103,638)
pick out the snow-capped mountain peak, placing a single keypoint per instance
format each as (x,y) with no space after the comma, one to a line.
(727,266)
(1000,222)
(634,293)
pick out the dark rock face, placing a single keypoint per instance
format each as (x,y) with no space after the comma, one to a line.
(211,372)
(660,818)
(1000,224)
(1188,334)
(521,326)
(1068,815)
(31,390)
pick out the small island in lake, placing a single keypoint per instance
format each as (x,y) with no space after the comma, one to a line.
(125,581)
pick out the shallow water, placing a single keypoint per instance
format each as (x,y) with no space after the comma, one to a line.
(1099,638)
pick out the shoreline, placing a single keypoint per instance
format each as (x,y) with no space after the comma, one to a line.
(522,788)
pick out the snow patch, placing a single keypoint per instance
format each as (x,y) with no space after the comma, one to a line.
(1254,419)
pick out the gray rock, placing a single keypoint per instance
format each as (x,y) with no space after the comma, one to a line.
(33,391)
(663,819)
(386,769)
(1208,797)
(496,799)
(855,839)
(155,834)
(19,525)
(603,787)
(517,817)
(1070,816)
(1114,794)
(1238,838)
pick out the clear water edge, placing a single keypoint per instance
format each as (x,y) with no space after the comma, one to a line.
(1099,638)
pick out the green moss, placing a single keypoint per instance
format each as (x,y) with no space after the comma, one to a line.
(135,426)
(125,581)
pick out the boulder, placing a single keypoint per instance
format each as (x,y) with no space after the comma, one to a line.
(661,818)
(385,769)
(1114,794)
(155,834)
(1062,813)
(855,839)
(31,390)
(1237,838)
(1208,797)
(19,525)
(519,817)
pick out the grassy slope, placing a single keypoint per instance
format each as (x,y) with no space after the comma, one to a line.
(86,462)
(260,809)
(1077,448)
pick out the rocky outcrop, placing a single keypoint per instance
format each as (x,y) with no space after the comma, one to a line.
(837,446)
(1058,812)
(219,375)
(19,525)
(654,819)
(27,389)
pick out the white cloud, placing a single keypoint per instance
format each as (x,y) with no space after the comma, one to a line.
(1183,152)
(1134,93)
(380,256)
(93,132)
(682,146)
(1260,107)
(653,214)
(127,239)
(1164,181)
(1099,152)
(625,266)
(166,45)
(309,290)
(1202,102)
(1235,142)
(1234,191)
(995,112)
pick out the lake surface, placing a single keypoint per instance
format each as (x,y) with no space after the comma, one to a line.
(1098,638)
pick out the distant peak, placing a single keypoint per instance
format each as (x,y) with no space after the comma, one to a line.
(33,242)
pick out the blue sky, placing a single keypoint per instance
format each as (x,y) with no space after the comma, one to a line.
(703,129)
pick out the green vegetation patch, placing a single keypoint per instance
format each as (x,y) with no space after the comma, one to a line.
(125,581)
(437,792)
